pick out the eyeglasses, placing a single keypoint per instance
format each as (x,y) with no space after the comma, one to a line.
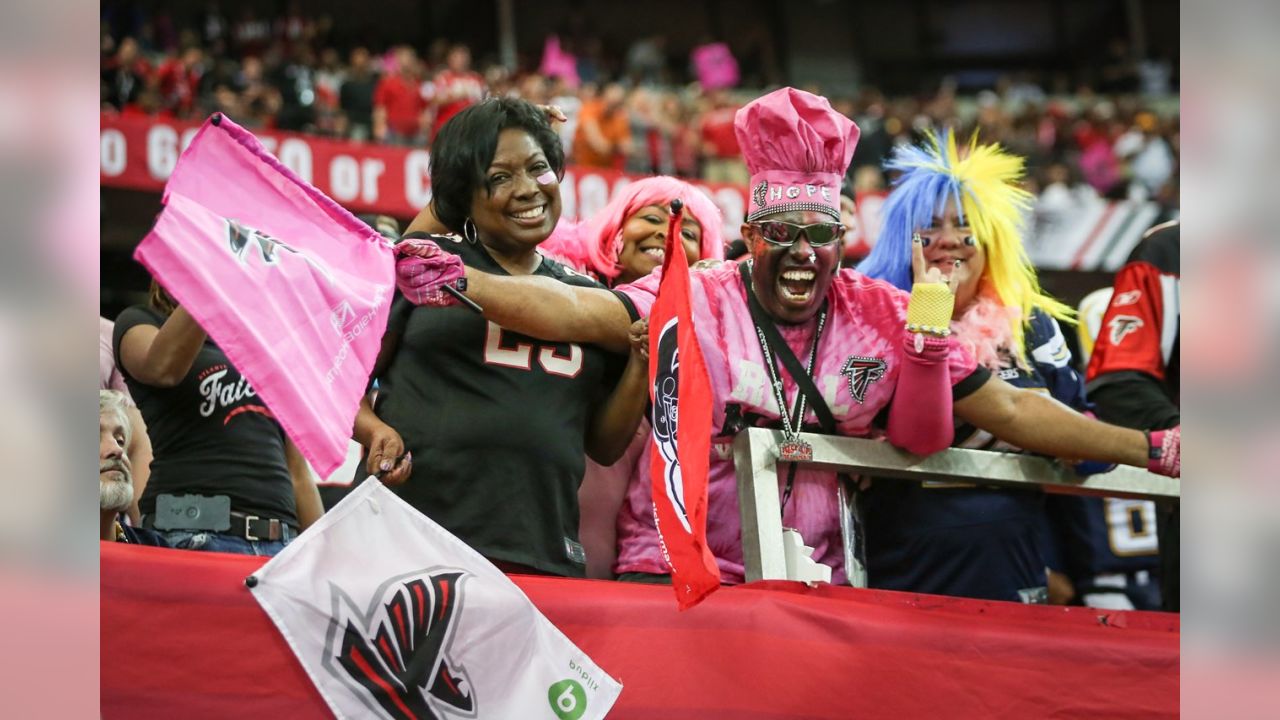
(785,234)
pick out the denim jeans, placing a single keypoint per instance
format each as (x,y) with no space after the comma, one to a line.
(217,542)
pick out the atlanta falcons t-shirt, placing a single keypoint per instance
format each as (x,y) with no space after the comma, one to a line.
(210,434)
(495,420)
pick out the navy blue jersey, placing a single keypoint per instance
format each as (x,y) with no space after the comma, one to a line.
(1101,536)
(967,541)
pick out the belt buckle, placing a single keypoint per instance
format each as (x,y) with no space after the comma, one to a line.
(249,535)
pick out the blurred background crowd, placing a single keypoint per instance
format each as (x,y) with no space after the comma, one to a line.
(1106,125)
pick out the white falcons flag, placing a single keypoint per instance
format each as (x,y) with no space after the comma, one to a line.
(393,617)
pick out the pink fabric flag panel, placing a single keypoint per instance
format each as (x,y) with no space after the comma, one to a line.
(292,287)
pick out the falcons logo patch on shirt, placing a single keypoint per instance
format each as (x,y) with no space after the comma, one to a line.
(1122,326)
(862,371)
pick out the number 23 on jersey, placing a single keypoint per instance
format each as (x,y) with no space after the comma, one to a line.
(562,359)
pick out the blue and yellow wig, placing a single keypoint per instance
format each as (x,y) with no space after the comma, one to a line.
(983,182)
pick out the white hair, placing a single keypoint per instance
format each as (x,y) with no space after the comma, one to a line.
(113,401)
(116,495)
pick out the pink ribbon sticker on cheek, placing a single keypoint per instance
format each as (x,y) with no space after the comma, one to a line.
(547,178)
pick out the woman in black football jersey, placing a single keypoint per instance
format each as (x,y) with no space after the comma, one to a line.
(224,477)
(483,429)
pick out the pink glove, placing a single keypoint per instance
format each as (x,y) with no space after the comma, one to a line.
(423,270)
(1165,452)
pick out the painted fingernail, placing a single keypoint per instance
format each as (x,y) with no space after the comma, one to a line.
(546,178)
(957,264)
(915,238)
(385,466)
(970,241)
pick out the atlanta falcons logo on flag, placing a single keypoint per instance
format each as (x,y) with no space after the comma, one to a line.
(1123,325)
(395,655)
(239,237)
(862,371)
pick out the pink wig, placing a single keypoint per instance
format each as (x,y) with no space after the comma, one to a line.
(597,243)
(563,245)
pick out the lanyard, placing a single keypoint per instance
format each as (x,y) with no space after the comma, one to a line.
(794,449)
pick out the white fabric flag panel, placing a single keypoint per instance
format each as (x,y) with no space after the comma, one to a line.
(393,617)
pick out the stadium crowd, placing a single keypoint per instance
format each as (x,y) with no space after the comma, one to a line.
(1115,135)
(214,451)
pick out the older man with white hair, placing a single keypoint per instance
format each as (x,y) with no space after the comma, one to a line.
(115,474)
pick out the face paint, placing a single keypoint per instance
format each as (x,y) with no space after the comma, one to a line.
(546,178)
(951,247)
(792,282)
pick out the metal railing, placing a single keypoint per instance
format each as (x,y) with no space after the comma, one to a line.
(771,554)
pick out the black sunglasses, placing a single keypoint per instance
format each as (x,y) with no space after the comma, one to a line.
(785,234)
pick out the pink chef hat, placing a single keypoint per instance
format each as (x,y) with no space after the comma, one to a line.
(797,149)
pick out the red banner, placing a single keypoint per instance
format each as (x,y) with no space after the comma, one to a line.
(183,637)
(680,395)
(139,153)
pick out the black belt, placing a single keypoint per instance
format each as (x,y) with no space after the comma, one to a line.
(248,527)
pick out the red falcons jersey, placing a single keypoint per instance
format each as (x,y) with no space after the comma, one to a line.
(1139,331)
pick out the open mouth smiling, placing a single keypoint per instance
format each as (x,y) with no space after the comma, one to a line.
(657,252)
(795,285)
(532,216)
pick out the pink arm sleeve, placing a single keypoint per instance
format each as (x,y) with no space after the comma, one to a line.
(643,292)
(920,418)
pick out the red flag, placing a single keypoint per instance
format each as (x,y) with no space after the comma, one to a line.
(681,416)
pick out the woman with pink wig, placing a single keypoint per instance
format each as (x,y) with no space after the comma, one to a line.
(620,244)
(624,241)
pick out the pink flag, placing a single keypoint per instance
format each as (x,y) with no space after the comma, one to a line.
(558,63)
(292,287)
(715,66)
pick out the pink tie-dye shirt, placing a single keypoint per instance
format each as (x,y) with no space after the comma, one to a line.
(864,324)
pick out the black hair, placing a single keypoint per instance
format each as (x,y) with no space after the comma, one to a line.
(466,145)
(160,300)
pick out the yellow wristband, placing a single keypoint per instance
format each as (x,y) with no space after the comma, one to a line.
(930,309)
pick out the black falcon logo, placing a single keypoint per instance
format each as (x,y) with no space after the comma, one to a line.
(862,371)
(398,651)
(241,239)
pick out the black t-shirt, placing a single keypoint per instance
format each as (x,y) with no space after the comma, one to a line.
(210,434)
(495,421)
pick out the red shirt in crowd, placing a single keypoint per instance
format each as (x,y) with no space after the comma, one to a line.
(178,85)
(718,135)
(455,92)
(403,102)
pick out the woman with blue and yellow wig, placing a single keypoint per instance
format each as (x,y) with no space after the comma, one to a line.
(963,204)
